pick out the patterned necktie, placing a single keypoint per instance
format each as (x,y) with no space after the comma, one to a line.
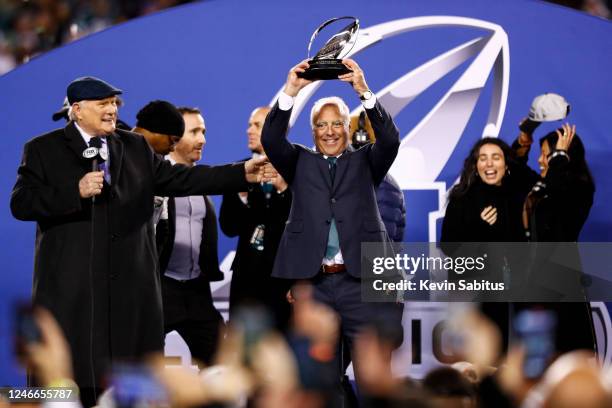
(333,241)
(332,167)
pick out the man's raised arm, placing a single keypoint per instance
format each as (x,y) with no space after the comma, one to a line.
(281,153)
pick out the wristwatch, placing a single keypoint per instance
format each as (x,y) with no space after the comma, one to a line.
(366,95)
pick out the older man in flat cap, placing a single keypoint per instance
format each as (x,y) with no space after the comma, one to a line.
(96,264)
(62,113)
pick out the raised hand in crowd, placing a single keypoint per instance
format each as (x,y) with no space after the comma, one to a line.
(372,365)
(481,347)
(228,381)
(184,387)
(313,319)
(510,376)
(50,359)
(575,379)
(276,372)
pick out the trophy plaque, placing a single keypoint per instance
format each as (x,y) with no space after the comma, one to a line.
(327,62)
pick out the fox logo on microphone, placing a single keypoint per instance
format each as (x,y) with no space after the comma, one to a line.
(90,152)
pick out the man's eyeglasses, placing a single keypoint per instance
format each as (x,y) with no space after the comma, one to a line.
(336,124)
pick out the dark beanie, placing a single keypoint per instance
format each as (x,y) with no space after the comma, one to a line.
(161,117)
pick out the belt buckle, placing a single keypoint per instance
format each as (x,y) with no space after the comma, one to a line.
(332,269)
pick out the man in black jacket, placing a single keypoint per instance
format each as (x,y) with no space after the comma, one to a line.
(162,126)
(188,260)
(257,216)
(95,264)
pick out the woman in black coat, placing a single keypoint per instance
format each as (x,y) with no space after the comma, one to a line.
(559,206)
(486,206)
(555,211)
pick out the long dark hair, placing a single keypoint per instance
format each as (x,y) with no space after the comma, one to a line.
(469,175)
(578,166)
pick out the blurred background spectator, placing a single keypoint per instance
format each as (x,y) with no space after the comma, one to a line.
(31,27)
(257,367)
(598,8)
(28,28)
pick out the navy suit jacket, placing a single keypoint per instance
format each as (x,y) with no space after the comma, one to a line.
(350,200)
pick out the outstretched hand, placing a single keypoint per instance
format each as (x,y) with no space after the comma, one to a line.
(275,178)
(254,169)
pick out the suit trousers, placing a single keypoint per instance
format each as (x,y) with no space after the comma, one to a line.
(342,292)
(189,309)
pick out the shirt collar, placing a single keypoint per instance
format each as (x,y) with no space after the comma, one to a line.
(86,136)
(173,162)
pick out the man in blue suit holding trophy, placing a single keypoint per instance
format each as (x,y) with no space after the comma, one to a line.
(334,205)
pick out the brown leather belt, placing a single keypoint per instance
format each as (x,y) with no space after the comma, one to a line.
(335,268)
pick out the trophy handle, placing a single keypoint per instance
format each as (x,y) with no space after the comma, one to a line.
(325,24)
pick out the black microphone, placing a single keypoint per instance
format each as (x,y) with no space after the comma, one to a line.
(94,153)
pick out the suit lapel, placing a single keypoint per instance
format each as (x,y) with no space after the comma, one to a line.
(115,147)
(76,143)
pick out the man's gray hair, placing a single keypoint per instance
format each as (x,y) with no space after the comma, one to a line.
(72,116)
(334,101)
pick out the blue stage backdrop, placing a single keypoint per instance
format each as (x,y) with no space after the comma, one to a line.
(453,71)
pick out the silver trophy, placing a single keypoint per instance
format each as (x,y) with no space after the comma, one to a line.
(327,63)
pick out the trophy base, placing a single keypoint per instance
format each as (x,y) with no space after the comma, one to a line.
(324,69)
